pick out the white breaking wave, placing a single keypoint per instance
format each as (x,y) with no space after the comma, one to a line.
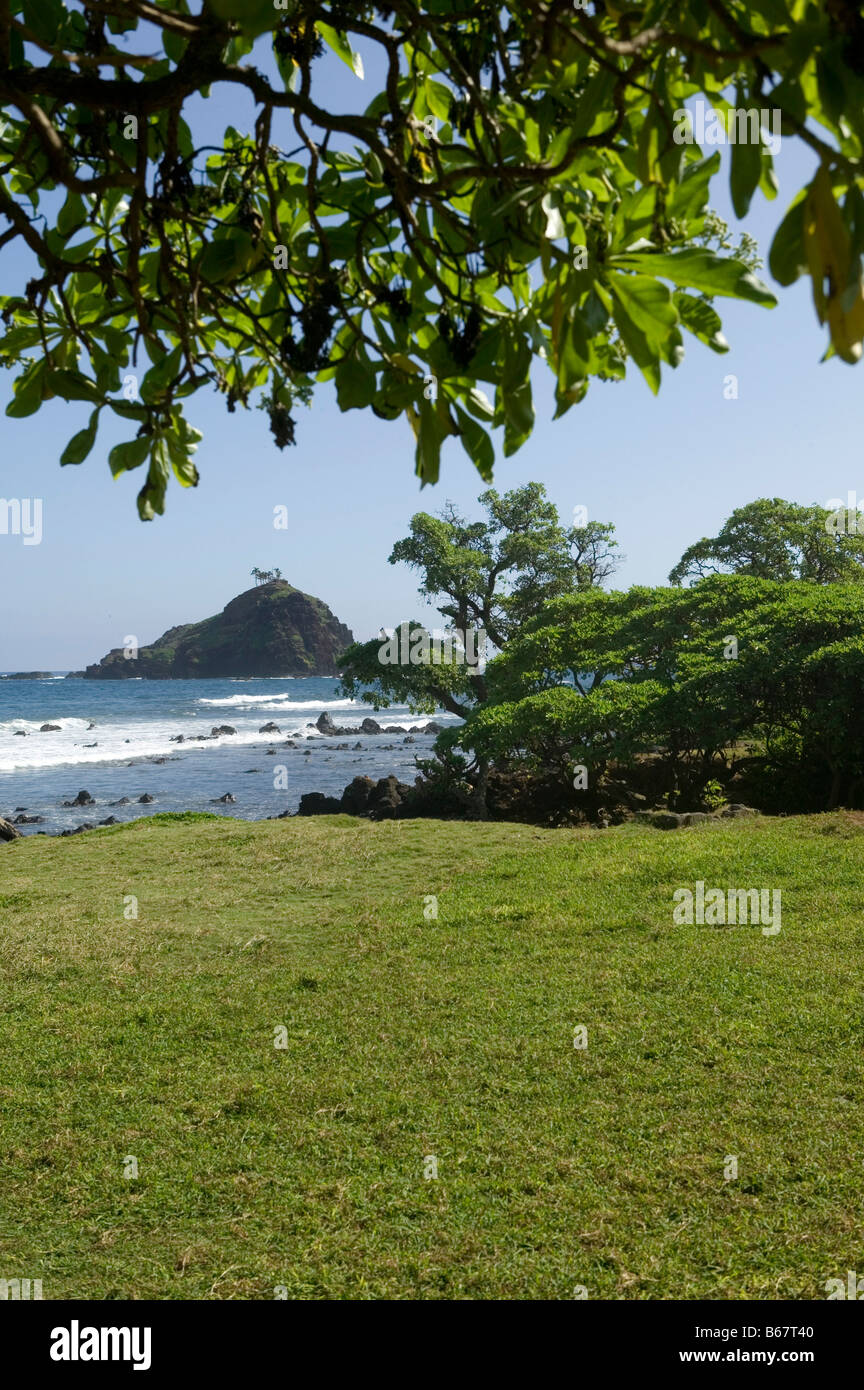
(11,726)
(284,702)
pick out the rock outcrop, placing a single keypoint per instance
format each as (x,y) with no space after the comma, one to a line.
(324,724)
(271,630)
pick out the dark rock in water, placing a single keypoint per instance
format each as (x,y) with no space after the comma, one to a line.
(91,745)
(386,798)
(271,630)
(409,739)
(177,738)
(158,761)
(82,799)
(29,820)
(247,770)
(124,801)
(49,728)
(78,829)
(355,797)
(289,743)
(393,729)
(8,831)
(317,804)
(111,820)
(228,799)
(271,753)
(324,724)
(356,746)
(433,728)
(270,728)
(90,726)
(199,738)
(20,808)
(370,726)
(146,799)
(340,747)
(20,733)
(307,753)
(221,729)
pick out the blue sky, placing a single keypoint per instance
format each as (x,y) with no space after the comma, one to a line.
(665,471)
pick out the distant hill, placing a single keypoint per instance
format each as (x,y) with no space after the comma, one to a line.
(272,630)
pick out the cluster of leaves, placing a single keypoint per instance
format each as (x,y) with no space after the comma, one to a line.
(515,191)
(610,678)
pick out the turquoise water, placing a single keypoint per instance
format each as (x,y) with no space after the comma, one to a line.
(134,724)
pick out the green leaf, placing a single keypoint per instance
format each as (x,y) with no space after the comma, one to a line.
(160,375)
(691,194)
(80,444)
(518,417)
(648,303)
(478,445)
(44,17)
(253,16)
(745,174)
(228,256)
(700,319)
(73,386)
(181,462)
(29,389)
(340,45)
(151,498)
(129,455)
(787,259)
(644,353)
(699,269)
(431,426)
(355,383)
(73,214)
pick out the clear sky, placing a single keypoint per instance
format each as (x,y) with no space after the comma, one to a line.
(665,471)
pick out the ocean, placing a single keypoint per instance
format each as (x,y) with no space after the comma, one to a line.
(133,724)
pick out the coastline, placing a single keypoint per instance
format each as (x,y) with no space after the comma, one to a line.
(160,740)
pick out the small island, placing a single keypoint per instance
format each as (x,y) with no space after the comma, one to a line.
(271,630)
(27,676)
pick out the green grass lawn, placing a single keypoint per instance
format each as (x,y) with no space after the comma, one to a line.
(302,1167)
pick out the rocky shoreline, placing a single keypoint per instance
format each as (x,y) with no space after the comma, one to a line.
(323,727)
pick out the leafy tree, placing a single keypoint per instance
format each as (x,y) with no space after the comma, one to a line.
(774,539)
(781,706)
(487,578)
(520,188)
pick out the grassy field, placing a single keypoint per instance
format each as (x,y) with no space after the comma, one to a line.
(407,1037)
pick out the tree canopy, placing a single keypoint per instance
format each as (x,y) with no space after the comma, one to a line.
(775,539)
(736,676)
(488,577)
(521,187)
